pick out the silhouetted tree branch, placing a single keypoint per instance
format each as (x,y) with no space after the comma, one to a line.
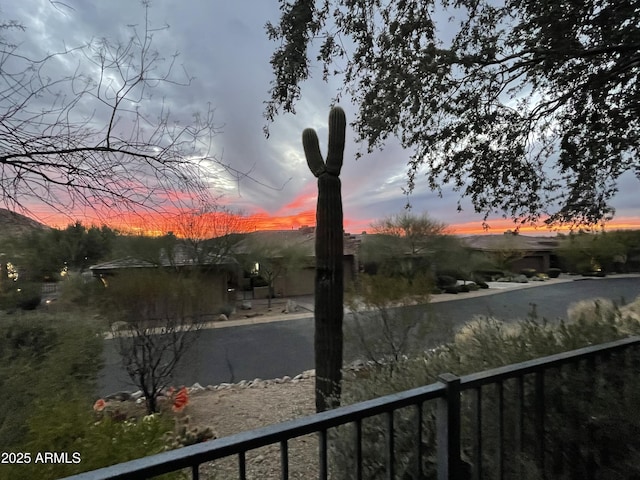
(93,127)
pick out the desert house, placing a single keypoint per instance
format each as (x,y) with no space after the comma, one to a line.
(297,278)
(515,252)
(233,272)
(220,272)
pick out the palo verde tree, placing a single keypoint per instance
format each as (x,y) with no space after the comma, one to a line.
(329,283)
(87,127)
(529,109)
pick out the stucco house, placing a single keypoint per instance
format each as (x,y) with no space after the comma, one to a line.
(300,279)
(518,251)
(220,273)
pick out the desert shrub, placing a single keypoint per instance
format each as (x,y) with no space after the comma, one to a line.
(554,272)
(480,282)
(591,417)
(42,356)
(139,305)
(67,424)
(528,272)
(22,295)
(443,281)
(77,291)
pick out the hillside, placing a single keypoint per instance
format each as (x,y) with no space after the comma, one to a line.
(12,224)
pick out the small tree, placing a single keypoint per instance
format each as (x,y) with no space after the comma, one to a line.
(155,317)
(416,231)
(209,231)
(379,330)
(271,260)
(405,244)
(507,251)
(592,252)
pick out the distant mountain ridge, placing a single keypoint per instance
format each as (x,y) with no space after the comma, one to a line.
(12,223)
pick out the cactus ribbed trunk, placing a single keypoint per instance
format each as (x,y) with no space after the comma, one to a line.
(329,282)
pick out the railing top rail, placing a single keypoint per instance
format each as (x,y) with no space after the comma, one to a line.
(543,363)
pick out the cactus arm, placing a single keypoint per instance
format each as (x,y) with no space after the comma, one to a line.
(337,128)
(312,152)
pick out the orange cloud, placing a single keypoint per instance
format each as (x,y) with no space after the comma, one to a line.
(301,202)
(502,225)
(290,217)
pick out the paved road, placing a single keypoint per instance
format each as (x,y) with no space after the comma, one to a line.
(271,350)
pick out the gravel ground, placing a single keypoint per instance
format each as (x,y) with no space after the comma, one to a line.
(238,409)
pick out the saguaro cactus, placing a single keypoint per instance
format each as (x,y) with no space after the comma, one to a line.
(329,286)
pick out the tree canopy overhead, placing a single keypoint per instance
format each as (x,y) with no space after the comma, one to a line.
(528,108)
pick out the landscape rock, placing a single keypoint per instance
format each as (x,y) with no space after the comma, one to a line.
(290,307)
(222,318)
(245,305)
(118,396)
(136,395)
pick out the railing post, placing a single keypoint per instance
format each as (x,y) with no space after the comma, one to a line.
(448,425)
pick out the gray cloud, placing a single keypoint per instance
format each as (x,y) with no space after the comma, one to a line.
(224,46)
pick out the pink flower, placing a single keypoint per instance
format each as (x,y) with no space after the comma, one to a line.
(99,405)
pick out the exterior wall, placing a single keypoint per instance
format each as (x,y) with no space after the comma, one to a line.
(298,282)
(218,288)
(350,269)
(540,261)
(302,282)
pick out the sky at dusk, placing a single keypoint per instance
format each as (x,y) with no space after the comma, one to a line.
(224,46)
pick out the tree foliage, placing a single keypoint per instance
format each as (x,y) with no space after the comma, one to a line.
(45,254)
(404,245)
(594,252)
(43,359)
(530,109)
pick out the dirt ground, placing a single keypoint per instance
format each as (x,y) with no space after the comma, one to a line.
(238,409)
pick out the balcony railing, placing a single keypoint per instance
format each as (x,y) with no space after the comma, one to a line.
(510,401)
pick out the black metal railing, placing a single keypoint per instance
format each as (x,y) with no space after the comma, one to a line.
(483,421)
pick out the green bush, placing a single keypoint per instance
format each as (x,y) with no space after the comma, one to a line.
(591,423)
(528,272)
(22,295)
(66,424)
(41,355)
(554,272)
